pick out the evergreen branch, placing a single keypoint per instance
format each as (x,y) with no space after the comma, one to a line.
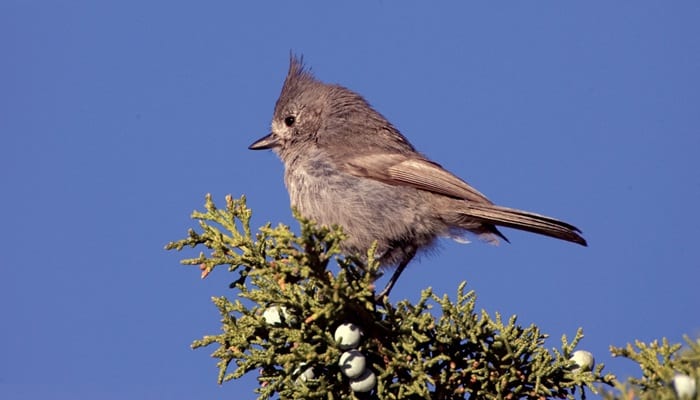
(292,301)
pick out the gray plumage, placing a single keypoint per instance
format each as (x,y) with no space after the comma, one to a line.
(346,164)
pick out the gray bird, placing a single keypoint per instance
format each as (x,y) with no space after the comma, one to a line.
(345,164)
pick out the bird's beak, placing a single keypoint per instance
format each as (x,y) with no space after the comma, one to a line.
(265,142)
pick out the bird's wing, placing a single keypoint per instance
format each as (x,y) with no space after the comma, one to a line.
(418,172)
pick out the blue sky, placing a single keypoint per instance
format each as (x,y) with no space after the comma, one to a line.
(117,118)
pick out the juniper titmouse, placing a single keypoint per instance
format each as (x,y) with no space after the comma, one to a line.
(346,164)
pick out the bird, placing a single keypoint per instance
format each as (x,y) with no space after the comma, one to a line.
(346,164)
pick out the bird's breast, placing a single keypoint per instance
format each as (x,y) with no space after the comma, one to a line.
(367,209)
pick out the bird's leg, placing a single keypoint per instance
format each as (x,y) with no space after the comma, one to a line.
(385,292)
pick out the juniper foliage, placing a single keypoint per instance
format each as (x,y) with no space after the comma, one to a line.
(292,291)
(661,363)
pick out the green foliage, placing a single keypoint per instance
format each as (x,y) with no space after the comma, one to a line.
(290,298)
(660,364)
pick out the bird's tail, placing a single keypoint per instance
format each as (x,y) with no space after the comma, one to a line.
(523,220)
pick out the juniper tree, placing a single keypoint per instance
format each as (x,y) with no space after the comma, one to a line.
(297,302)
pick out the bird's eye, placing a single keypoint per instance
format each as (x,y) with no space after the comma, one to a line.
(289,121)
